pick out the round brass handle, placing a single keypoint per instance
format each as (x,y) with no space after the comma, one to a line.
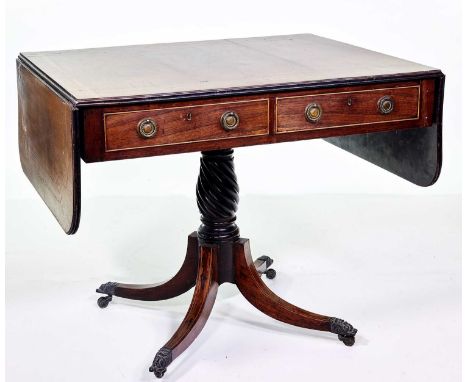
(385,104)
(229,120)
(147,128)
(313,112)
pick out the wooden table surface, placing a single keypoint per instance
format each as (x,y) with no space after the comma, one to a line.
(96,104)
(88,75)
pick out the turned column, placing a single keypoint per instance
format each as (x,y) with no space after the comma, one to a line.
(217,197)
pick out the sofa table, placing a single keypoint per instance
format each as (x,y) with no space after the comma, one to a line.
(211,96)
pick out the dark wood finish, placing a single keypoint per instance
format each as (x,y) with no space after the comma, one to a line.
(97,83)
(347,108)
(260,296)
(94,139)
(428,105)
(213,259)
(202,303)
(183,124)
(203,300)
(48,147)
(182,281)
(217,197)
(209,68)
(413,154)
(222,257)
(89,102)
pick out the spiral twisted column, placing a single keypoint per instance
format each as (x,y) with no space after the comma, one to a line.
(217,197)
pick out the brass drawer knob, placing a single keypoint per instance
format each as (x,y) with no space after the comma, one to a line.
(147,128)
(385,104)
(229,120)
(313,112)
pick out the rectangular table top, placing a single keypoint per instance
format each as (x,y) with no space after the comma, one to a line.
(134,101)
(211,66)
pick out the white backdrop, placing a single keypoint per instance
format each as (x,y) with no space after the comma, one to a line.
(396,256)
(426,32)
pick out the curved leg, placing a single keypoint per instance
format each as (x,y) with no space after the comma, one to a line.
(259,295)
(202,302)
(183,280)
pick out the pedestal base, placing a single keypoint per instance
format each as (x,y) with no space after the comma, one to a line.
(215,255)
(207,266)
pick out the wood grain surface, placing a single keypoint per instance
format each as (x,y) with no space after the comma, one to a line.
(48,147)
(109,133)
(184,124)
(259,295)
(141,71)
(180,283)
(87,102)
(202,303)
(347,108)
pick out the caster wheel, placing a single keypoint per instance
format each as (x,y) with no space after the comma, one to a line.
(347,340)
(270,274)
(159,373)
(104,301)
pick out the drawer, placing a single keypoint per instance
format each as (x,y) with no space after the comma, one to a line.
(185,124)
(347,108)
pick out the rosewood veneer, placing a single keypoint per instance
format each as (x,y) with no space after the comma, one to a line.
(212,96)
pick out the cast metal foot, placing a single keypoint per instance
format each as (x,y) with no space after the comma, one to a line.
(161,361)
(109,289)
(346,332)
(347,340)
(180,283)
(263,264)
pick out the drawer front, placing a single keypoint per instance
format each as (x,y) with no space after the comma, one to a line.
(185,124)
(349,108)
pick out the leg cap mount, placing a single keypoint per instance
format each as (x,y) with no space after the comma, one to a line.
(346,332)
